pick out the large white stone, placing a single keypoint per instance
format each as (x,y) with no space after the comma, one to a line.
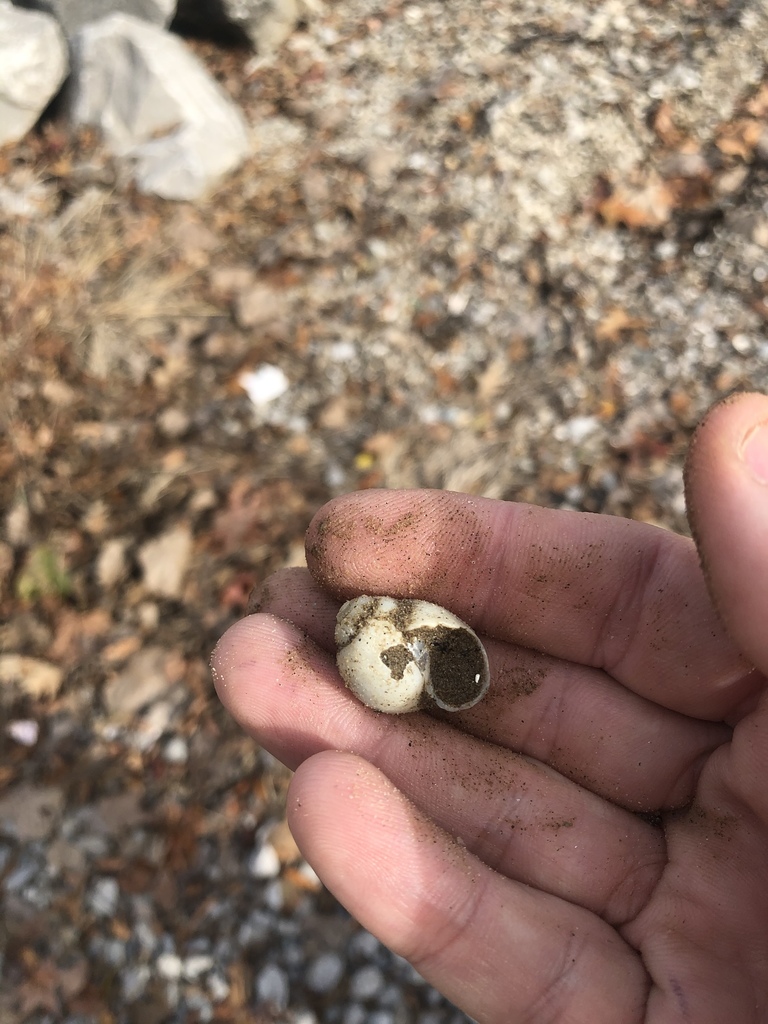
(155,105)
(33,64)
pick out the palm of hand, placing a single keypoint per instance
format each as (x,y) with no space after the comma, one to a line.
(610,829)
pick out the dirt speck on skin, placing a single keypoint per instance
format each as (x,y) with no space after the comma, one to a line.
(302,659)
(706,823)
(556,825)
(335,525)
(387,530)
(518,681)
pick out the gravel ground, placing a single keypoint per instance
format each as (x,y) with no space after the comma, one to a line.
(512,250)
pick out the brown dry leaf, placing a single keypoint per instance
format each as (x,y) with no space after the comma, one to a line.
(740,138)
(39,679)
(238,986)
(183,838)
(615,322)
(664,125)
(301,880)
(76,633)
(50,986)
(758,105)
(121,649)
(647,204)
(39,993)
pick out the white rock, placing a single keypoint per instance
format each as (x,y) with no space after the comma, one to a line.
(151,726)
(324,973)
(33,64)
(264,385)
(164,561)
(576,429)
(176,751)
(264,862)
(24,731)
(218,987)
(143,681)
(169,966)
(111,563)
(195,966)
(103,897)
(156,105)
(272,987)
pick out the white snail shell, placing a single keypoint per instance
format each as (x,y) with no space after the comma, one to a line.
(399,655)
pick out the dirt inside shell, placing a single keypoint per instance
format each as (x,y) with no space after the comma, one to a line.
(456,663)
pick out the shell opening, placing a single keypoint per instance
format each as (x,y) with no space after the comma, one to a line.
(457,675)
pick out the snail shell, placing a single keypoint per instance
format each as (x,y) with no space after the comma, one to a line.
(399,655)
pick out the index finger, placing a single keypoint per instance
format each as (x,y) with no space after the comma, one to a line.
(625,597)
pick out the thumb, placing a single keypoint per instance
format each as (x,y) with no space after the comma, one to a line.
(726,487)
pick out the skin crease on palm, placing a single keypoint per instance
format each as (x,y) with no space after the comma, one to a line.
(589,844)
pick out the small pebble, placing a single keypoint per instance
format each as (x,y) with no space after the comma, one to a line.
(134,982)
(24,731)
(273,897)
(366,982)
(272,987)
(256,928)
(200,1006)
(310,876)
(354,1014)
(194,966)
(111,951)
(169,966)
(364,945)
(24,871)
(218,987)
(103,897)
(264,385)
(324,973)
(304,1017)
(264,862)
(381,1017)
(173,422)
(391,995)
(176,751)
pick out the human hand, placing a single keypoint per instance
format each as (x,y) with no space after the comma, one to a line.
(589,844)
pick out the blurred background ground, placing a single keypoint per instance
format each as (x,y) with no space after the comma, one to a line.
(512,250)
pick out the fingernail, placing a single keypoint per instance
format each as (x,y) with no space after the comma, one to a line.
(754,452)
